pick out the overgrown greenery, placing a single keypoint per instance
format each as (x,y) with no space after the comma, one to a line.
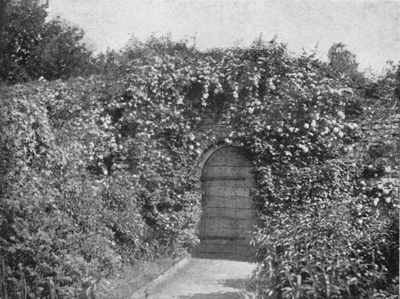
(98,172)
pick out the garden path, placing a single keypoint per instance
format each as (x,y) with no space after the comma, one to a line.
(200,278)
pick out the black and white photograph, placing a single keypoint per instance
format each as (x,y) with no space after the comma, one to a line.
(199,149)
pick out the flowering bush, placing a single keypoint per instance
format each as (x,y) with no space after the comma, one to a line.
(96,172)
(324,232)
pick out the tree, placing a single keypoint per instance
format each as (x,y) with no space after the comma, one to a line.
(61,53)
(3,5)
(343,61)
(34,48)
(397,89)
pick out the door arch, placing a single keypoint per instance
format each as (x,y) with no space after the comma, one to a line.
(228,215)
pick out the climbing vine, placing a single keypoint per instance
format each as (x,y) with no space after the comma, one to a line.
(99,171)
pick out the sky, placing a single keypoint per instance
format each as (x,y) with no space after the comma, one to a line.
(370,29)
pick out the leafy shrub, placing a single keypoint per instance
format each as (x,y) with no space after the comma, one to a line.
(329,247)
(97,172)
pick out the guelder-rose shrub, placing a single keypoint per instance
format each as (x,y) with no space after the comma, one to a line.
(98,172)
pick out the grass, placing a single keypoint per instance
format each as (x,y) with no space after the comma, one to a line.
(131,279)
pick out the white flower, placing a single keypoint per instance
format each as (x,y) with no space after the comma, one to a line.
(228,141)
(313,123)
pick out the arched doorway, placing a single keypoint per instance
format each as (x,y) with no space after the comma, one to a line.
(228,215)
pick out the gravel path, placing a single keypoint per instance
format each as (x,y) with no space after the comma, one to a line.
(199,278)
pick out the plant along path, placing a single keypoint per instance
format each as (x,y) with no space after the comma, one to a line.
(202,279)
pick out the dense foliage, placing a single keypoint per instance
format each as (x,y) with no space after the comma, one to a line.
(83,189)
(98,172)
(32,47)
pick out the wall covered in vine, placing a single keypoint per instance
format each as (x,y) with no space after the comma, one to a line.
(98,171)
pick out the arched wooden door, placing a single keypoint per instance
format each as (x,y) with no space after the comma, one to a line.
(228,214)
